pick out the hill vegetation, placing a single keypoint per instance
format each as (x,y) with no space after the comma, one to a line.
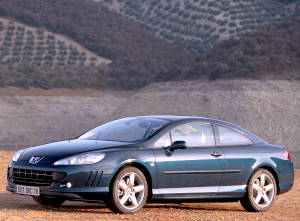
(137,56)
(50,44)
(21,43)
(269,53)
(200,24)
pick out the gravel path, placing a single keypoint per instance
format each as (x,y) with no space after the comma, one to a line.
(14,207)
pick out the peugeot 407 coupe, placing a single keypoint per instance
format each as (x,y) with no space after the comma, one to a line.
(128,162)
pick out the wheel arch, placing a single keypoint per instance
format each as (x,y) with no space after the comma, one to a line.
(274,173)
(139,166)
(271,169)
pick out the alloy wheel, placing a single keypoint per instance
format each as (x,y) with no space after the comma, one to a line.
(263,190)
(131,190)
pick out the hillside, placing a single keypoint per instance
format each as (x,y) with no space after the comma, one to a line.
(270,108)
(21,43)
(199,24)
(137,56)
(268,53)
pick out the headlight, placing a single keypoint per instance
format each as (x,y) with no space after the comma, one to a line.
(82,159)
(17,155)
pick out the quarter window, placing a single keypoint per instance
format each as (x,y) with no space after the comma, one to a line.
(229,136)
(194,134)
(163,141)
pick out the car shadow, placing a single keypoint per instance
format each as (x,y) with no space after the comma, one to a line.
(235,207)
(19,202)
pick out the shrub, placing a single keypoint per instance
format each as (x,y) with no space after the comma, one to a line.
(232,24)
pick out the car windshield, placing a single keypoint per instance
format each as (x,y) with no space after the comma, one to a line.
(131,129)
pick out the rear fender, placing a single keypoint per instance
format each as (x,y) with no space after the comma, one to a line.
(262,163)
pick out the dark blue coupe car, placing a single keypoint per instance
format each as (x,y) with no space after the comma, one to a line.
(131,161)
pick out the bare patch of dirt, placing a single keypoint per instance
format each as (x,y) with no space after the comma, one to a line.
(34,117)
(12,91)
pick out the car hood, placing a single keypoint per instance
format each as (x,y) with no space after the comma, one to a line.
(58,150)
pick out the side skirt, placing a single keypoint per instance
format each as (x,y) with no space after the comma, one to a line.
(212,192)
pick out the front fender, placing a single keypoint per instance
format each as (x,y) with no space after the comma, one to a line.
(142,159)
(148,168)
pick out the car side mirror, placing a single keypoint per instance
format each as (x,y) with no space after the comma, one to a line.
(177,145)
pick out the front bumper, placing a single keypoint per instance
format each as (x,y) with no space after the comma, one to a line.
(83,194)
(87,183)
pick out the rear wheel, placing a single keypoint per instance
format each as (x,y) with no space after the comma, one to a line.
(261,192)
(129,191)
(47,201)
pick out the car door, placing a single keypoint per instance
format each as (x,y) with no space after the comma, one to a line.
(196,169)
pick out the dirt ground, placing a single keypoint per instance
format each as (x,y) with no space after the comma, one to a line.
(15,207)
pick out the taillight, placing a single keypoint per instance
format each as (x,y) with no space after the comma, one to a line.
(286,155)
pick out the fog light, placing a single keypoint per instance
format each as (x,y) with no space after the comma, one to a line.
(68,185)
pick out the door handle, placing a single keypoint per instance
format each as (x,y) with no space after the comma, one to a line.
(216,154)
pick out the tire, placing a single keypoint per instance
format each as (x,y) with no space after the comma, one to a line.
(47,201)
(129,191)
(261,192)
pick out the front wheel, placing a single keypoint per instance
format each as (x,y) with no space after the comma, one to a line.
(129,191)
(261,192)
(47,201)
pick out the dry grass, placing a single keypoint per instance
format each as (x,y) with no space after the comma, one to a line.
(15,207)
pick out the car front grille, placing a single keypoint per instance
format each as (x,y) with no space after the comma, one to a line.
(34,177)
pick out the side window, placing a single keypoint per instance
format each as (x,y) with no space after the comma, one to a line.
(194,134)
(229,136)
(163,141)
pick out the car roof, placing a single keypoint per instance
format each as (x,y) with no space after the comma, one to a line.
(175,117)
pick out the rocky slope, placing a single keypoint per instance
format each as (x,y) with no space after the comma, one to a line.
(268,108)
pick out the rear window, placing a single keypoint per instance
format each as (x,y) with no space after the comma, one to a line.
(228,137)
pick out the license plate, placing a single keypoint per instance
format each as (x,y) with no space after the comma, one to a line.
(27,190)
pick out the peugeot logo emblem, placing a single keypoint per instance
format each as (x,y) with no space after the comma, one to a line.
(35,160)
